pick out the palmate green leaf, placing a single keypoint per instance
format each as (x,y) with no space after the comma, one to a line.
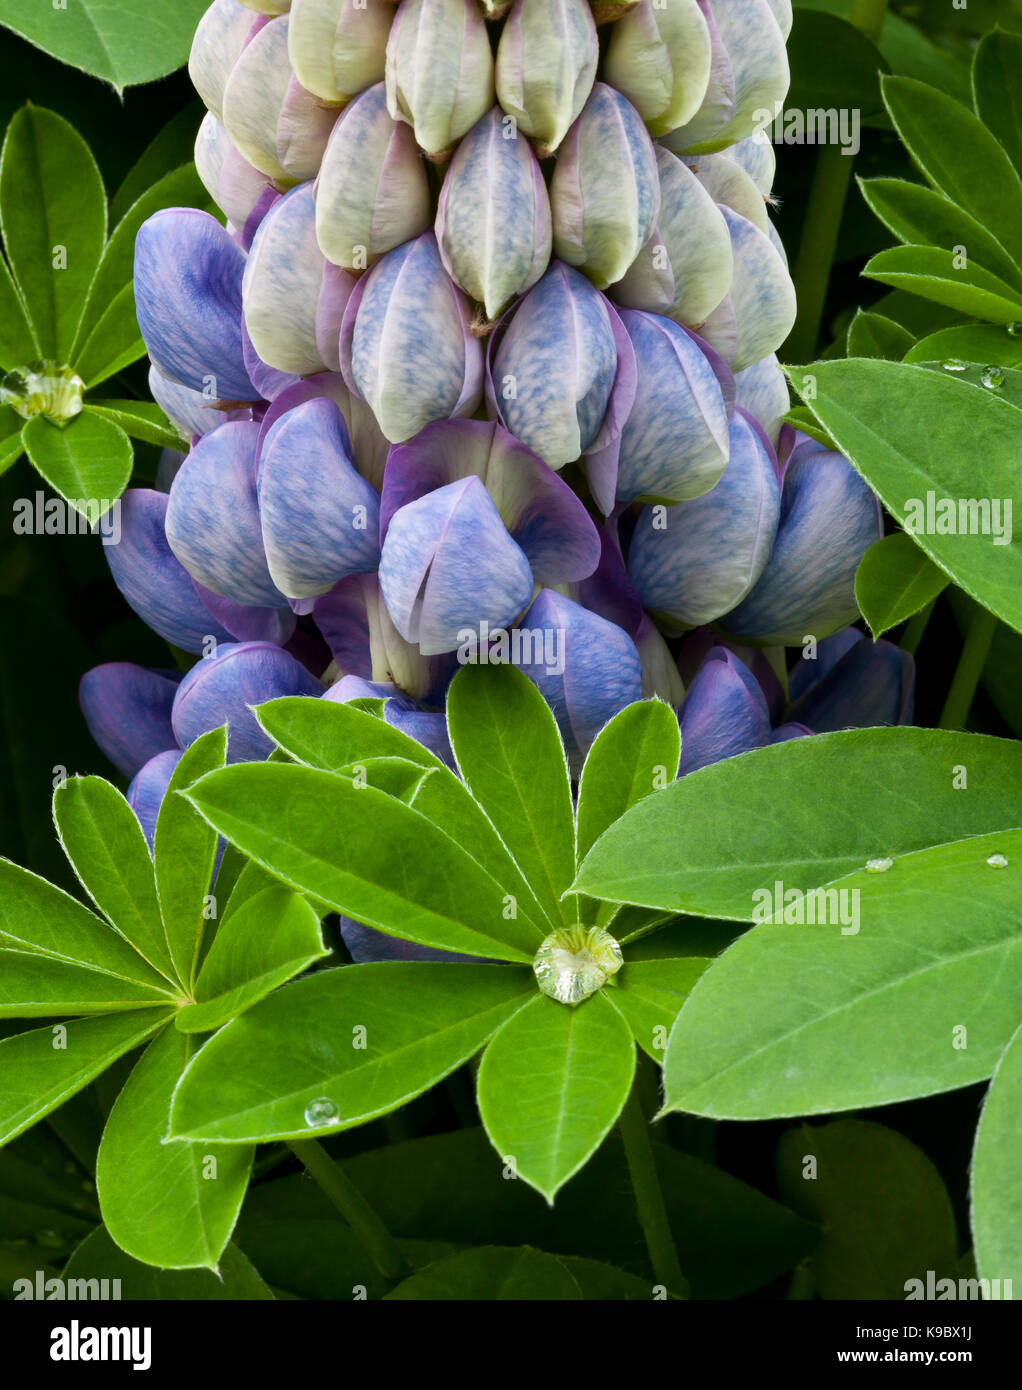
(894,580)
(634,755)
(715,837)
(803,1019)
(920,216)
(650,994)
(884,1210)
(331,736)
(873,335)
(35,986)
(88,461)
(268,941)
(120,41)
(11,449)
(103,840)
(491,1273)
(509,751)
(114,343)
(141,420)
(184,855)
(959,156)
(52,210)
(99,1258)
(996,1173)
(40,1069)
(37,916)
(802,418)
(985,343)
(930,272)
(910,431)
(180,188)
(551,1085)
(172,1205)
(18,344)
(995,90)
(363,1039)
(366,855)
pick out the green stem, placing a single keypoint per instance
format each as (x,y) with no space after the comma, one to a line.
(649,1199)
(978,636)
(915,627)
(345,1196)
(832,178)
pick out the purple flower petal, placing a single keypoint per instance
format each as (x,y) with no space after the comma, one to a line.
(188,274)
(128,711)
(149,787)
(724,713)
(873,683)
(222,689)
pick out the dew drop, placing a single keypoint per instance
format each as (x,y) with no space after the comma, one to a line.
(992,378)
(43,388)
(321,1111)
(955,364)
(878,866)
(573,963)
(1015,329)
(997,861)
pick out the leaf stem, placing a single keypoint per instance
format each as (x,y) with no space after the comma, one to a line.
(649,1198)
(915,627)
(832,178)
(360,1216)
(978,636)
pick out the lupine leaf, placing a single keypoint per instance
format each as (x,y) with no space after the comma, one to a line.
(894,580)
(114,342)
(491,1272)
(910,431)
(631,757)
(120,41)
(338,842)
(89,461)
(969,342)
(52,209)
(959,156)
(872,335)
(37,916)
(918,994)
(172,1205)
(99,1258)
(184,855)
(996,1170)
(848,797)
(650,994)
(551,1085)
(995,89)
(141,420)
(510,754)
(35,986)
(885,1212)
(103,840)
(930,272)
(272,938)
(42,1068)
(363,1038)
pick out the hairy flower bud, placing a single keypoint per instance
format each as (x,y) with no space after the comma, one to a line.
(546,64)
(406,346)
(337,49)
(439,70)
(372,193)
(493,221)
(605,192)
(659,58)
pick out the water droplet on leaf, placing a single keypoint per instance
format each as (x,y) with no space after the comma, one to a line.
(997,861)
(992,378)
(878,866)
(955,364)
(575,962)
(43,388)
(321,1111)
(1015,329)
